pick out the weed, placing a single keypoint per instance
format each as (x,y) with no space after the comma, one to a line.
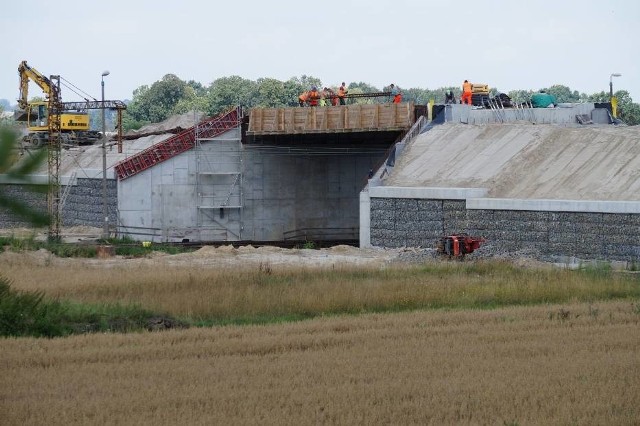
(310,245)
(265,268)
(597,269)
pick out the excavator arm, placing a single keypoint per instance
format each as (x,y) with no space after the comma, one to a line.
(28,73)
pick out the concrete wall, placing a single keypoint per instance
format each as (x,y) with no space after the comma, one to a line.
(561,115)
(83,205)
(269,192)
(599,230)
(310,191)
(171,201)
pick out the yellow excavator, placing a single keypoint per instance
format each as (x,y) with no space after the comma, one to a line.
(74,118)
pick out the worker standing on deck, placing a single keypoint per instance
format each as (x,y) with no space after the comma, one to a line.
(342,92)
(313,97)
(449,98)
(323,97)
(396,93)
(331,94)
(302,99)
(466,92)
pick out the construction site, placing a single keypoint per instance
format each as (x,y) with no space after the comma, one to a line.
(557,182)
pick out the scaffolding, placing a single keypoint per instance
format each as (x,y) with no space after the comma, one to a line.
(218,187)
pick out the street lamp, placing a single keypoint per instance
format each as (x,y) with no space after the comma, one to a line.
(615,74)
(105,210)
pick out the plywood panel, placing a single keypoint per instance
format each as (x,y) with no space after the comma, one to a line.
(331,119)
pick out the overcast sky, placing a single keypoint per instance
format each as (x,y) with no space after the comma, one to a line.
(427,44)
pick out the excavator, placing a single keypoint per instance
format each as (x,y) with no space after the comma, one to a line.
(73,118)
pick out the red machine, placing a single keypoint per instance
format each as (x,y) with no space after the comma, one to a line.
(458,245)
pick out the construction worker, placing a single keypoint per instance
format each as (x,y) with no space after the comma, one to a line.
(331,95)
(466,92)
(334,98)
(449,98)
(396,93)
(302,99)
(342,92)
(313,96)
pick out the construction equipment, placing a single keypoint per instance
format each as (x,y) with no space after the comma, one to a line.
(479,94)
(50,118)
(74,126)
(459,245)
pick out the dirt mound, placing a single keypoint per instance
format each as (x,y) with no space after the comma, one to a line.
(174,124)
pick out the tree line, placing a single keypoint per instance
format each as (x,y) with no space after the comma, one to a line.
(171,95)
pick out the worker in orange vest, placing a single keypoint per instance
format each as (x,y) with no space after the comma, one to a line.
(342,91)
(313,96)
(331,95)
(302,99)
(396,93)
(466,92)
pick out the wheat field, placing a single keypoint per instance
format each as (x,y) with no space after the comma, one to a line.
(569,357)
(558,364)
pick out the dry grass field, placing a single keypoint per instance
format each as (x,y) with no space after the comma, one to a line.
(454,346)
(554,364)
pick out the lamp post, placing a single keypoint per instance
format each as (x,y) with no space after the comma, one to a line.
(615,74)
(105,210)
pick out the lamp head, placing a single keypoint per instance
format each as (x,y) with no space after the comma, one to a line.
(105,73)
(616,74)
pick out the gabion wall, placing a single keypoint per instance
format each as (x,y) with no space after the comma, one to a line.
(82,207)
(397,222)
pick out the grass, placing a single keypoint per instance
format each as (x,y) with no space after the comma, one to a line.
(123,247)
(264,294)
(34,314)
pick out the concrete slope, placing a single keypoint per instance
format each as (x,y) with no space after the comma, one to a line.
(526,161)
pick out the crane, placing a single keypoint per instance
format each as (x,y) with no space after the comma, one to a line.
(53,126)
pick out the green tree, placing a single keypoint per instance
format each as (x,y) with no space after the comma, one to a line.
(227,92)
(307,82)
(520,96)
(628,111)
(271,93)
(563,93)
(630,114)
(157,102)
(292,88)
(192,101)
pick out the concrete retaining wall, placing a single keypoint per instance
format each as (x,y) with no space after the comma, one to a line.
(458,113)
(83,205)
(398,222)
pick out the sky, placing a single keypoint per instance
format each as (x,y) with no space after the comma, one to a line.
(425,44)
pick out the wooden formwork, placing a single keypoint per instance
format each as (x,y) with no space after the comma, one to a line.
(345,118)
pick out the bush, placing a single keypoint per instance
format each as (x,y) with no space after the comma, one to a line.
(28,314)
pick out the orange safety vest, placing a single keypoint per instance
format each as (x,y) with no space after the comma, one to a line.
(313,98)
(466,87)
(342,91)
